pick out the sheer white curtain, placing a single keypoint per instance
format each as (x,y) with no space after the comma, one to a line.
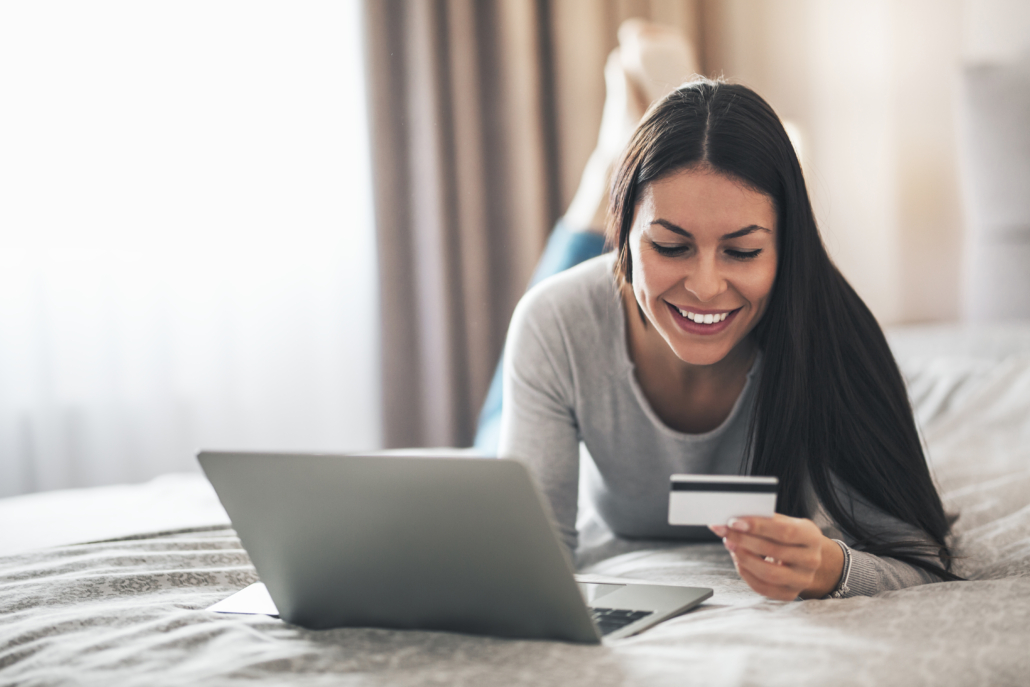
(186,241)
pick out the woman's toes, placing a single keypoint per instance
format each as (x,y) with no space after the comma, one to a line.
(657,58)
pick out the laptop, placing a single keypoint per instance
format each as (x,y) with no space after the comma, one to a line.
(451,543)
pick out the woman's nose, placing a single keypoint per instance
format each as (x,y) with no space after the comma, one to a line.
(705,282)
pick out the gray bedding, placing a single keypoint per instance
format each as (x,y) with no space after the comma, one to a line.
(130,610)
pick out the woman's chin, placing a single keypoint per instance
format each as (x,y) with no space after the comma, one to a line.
(702,354)
(701,350)
(702,361)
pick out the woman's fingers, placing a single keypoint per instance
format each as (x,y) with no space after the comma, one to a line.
(778,557)
(779,528)
(794,541)
(788,554)
(762,587)
(771,573)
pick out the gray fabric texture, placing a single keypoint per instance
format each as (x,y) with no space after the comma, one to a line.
(569,379)
(130,612)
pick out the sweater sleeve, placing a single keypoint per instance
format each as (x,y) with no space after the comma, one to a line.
(538,421)
(870,574)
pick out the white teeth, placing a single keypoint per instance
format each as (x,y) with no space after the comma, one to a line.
(703,319)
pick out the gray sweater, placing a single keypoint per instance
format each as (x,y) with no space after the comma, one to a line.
(568,379)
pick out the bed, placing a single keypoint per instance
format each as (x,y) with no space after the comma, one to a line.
(109,585)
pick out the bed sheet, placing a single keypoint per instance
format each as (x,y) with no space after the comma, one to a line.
(130,610)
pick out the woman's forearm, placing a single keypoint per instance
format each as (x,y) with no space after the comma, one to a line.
(827,576)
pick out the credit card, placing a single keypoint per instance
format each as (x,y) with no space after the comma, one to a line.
(714,499)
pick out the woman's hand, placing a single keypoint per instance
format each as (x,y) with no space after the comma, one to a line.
(783,557)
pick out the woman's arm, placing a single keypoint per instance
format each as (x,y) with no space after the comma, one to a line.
(813,564)
(538,424)
(783,557)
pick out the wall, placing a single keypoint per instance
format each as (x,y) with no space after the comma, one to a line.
(871,87)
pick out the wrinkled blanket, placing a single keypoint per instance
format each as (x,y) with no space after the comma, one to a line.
(130,611)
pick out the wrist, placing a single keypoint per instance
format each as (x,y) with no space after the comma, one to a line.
(828,576)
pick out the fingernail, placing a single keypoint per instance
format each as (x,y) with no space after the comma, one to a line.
(731,546)
(739,525)
(719,530)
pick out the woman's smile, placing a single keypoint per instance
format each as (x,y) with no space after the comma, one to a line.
(705,323)
(703,248)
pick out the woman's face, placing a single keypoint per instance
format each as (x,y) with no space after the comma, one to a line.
(703,250)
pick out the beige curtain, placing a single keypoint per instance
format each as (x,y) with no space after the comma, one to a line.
(483,114)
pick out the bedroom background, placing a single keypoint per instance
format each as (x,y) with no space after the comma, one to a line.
(189,254)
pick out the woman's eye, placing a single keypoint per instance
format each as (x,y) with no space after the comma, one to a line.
(744,254)
(670,251)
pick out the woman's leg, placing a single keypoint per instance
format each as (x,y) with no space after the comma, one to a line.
(651,61)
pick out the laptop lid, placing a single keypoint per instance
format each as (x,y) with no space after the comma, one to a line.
(457,544)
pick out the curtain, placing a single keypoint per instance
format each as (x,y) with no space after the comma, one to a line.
(483,113)
(188,255)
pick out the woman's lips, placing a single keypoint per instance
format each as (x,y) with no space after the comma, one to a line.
(703,329)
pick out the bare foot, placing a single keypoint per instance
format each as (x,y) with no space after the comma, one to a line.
(651,61)
(657,58)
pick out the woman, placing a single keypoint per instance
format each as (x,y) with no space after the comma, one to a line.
(719,338)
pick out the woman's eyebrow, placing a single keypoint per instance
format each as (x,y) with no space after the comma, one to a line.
(732,235)
(744,232)
(673,228)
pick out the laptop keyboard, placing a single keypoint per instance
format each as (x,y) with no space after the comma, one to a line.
(611,619)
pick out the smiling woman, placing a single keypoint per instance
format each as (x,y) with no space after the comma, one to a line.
(721,339)
(704,256)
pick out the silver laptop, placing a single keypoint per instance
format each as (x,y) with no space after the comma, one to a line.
(405,541)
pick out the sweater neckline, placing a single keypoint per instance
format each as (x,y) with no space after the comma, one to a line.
(628,368)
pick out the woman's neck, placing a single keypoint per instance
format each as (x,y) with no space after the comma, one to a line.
(689,398)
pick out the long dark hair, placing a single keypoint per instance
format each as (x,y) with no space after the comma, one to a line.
(831,402)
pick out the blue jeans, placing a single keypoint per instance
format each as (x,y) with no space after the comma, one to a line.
(564,249)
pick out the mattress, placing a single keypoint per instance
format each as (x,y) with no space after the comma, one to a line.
(108,586)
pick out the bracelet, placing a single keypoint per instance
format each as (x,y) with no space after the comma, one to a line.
(842,587)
